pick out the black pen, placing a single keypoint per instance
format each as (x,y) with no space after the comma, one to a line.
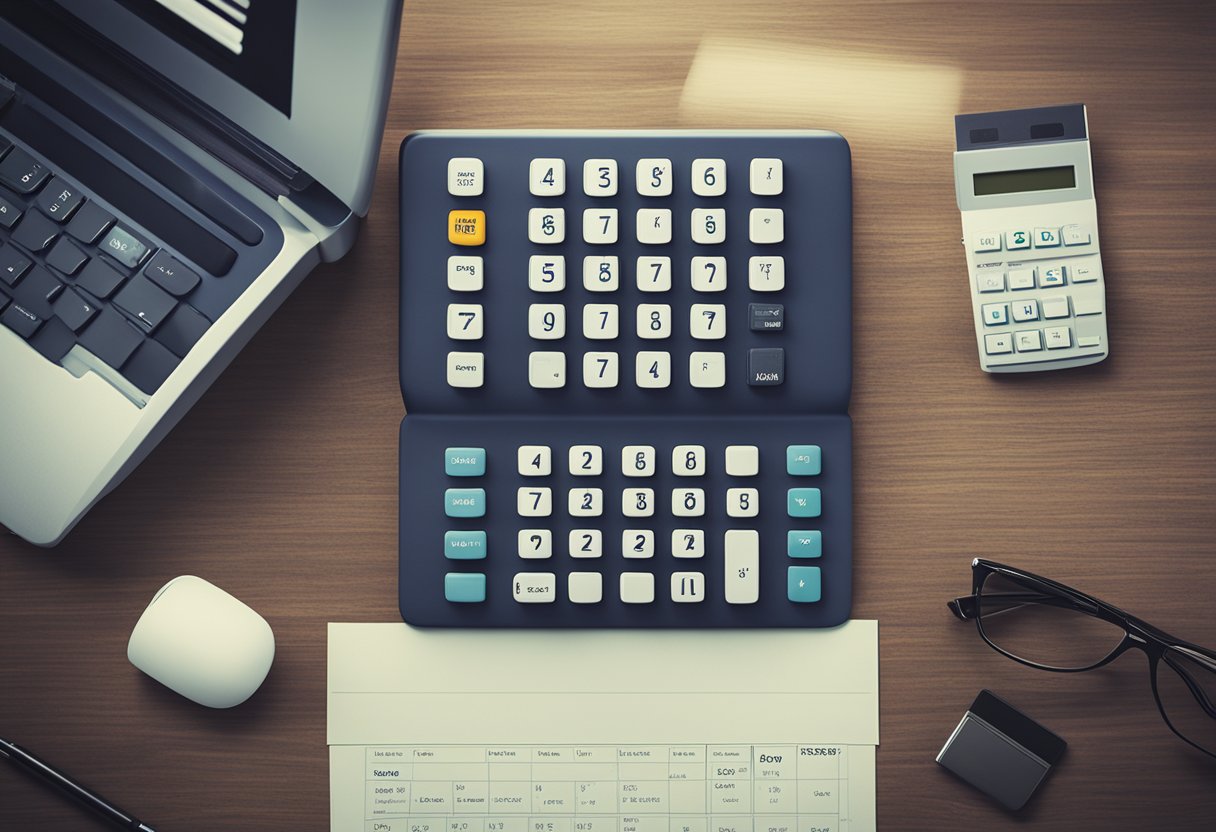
(54,776)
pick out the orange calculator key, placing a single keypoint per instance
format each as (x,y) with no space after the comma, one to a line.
(467,228)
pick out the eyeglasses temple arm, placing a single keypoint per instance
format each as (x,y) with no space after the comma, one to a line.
(965,608)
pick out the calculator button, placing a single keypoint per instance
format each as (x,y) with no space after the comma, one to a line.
(547,177)
(1026,310)
(688,543)
(638,461)
(464,273)
(1089,340)
(688,460)
(466,176)
(1058,337)
(707,321)
(709,177)
(653,370)
(803,502)
(464,545)
(535,460)
(467,228)
(742,460)
(600,321)
(637,587)
(600,177)
(547,370)
(804,543)
(535,544)
(654,274)
(707,370)
(464,587)
(766,317)
(585,502)
(654,226)
(600,369)
(708,274)
(688,502)
(637,502)
(1021,279)
(766,274)
(534,501)
(546,321)
(1028,340)
(1075,235)
(586,543)
(803,460)
(766,177)
(995,314)
(989,241)
(1055,307)
(466,369)
(1086,304)
(708,226)
(990,281)
(1018,238)
(1046,237)
(546,225)
(600,226)
(766,225)
(1053,276)
(586,460)
(1083,274)
(687,587)
(654,177)
(637,544)
(546,274)
(742,502)
(465,502)
(601,274)
(464,321)
(766,366)
(998,344)
(464,462)
(585,587)
(59,200)
(742,562)
(802,584)
(534,587)
(654,322)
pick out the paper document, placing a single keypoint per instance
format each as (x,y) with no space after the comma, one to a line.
(602,731)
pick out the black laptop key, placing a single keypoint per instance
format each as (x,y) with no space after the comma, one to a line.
(54,340)
(13,264)
(90,222)
(145,301)
(74,310)
(150,366)
(123,246)
(111,337)
(182,329)
(65,257)
(60,199)
(99,278)
(20,320)
(22,172)
(36,291)
(169,274)
(10,212)
(36,231)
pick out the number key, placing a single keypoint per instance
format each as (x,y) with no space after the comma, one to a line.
(654,320)
(600,177)
(638,461)
(654,274)
(688,543)
(600,369)
(688,460)
(742,502)
(637,502)
(601,274)
(709,177)
(654,177)
(707,321)
(600,226)
(464,321)
(586,502)
(709,274)
(688,502)
(653,369)
(708,226)
(600,321)
(547,177)
(535,460)
(546,321)
(546,225)
(586,460)
(546,274)
(534,501)
(637,543)
(535,544)
(586,543)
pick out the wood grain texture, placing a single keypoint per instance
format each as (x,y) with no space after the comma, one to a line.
(281,484)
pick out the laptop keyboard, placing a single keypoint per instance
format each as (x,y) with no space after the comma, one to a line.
(71,273)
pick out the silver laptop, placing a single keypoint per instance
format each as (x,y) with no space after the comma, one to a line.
(169,171)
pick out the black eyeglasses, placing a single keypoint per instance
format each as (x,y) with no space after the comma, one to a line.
(1048,625)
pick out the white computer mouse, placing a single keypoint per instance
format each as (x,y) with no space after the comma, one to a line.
(196,639)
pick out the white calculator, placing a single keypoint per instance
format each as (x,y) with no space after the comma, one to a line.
(1030,228)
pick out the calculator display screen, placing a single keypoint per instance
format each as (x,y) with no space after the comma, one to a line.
(1032,179)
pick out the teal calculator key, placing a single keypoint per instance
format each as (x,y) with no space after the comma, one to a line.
(802,585)
(465,502)
(802,460)
(464,587)
(464,545)
(803,502)
(801,543)
(464,462)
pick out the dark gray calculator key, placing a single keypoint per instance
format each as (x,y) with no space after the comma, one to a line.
(74,310)
(145,301)
(171,275)
(60,199)
(22,172)
(13,264)
(10,212)
(54,340)
(36,291)
(36,232)
(765,366)
(20,320)
(766,317)
(111,337)
(150,366)
(90,222)
(182,329)
(65,257)
(100,279)
(124,247)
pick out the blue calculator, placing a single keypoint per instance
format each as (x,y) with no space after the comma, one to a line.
(626,363)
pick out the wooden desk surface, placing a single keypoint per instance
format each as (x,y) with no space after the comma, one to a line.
(281,484)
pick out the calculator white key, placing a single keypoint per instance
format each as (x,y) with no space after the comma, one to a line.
(688,543)
(653,369)
(637,587)
(585,587)
(638,461)
(547,369)
(687,587)
(585,502)
(600,177)
(707,369)
(654,321)
(465,273)
(688,460)
(766,177)
(546,274)
(1017,239)
(600,226)
(709,177)
(654,177)
(534,460)
(586,543)
(688,502)
(766,273)
(742,566)
(1026,310)
(1057,337)
(653,274)
(534,501)
(1055,307)
(586,460)
(707,321)
(637,544)
(654,226)
(535,544)
(766,225)
(547,226)
(742,460)
(602,273)
(708,225)
(601,321)
(601,369)
(534,587)
(1021,279)
(546,321)
(742,502)
(464,321)
(466,176)
(547,177)
(708,274)
(637,502)
(466,369)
